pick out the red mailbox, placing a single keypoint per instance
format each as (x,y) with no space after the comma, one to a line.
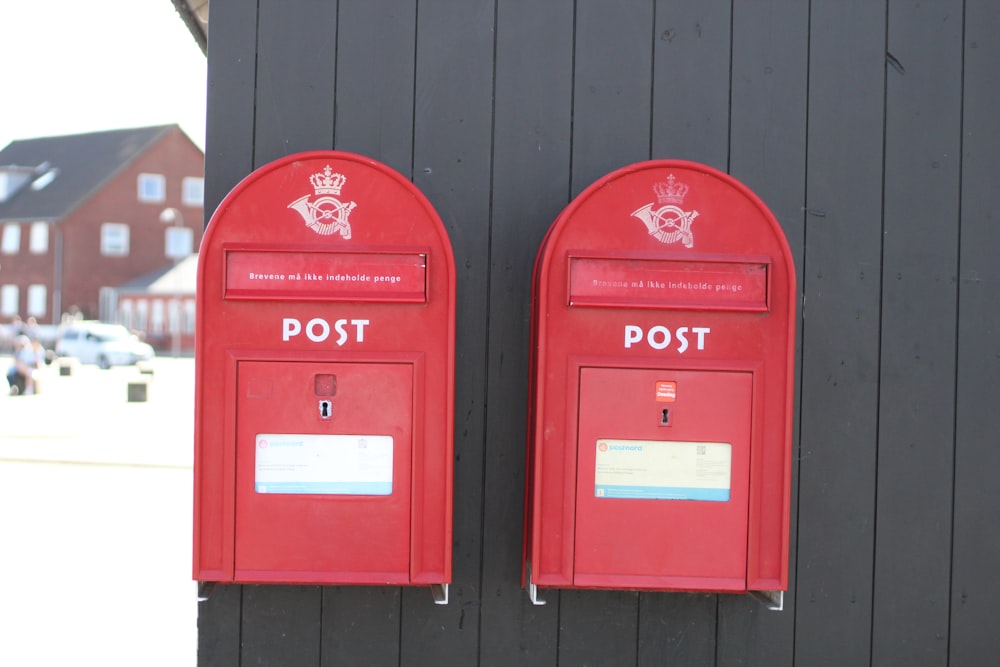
(325,380)
(660,440)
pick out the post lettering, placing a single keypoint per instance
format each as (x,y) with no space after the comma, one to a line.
(660,337)
(317,330)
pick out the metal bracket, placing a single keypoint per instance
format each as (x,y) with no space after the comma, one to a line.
(440,593)
(533,589)
(205,589)
(773,600)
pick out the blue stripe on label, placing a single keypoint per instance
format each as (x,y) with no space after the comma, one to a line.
(327,488)
(660,493)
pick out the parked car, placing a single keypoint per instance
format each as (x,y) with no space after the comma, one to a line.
(103,344)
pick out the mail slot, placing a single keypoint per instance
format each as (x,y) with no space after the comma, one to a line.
(325,380)
(663,331)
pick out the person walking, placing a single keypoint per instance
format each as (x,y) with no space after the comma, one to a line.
(21,375)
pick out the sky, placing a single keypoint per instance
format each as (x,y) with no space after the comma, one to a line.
(72,66)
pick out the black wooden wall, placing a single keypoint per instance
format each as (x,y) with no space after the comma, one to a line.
(869,128)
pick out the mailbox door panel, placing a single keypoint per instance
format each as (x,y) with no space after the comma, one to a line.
(663,477)
(323,472)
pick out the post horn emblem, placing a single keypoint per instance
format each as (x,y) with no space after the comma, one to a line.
(326,214)
(669,223)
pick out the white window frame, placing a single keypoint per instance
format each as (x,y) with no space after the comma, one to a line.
(178,242)
(110,246)
(156,320)
(9,300)
(125,312)
(43,181)
(37,296)
(11,181)
(11,243)
(151,188)
(38,238)
(141,315)
(189,311)
(193,191)
(174,316)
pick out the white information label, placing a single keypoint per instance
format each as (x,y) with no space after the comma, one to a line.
(663,470)
(293,463)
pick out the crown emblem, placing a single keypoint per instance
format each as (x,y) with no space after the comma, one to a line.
(327,182)
(671,192)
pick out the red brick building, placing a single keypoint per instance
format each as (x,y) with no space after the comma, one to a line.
(81,215)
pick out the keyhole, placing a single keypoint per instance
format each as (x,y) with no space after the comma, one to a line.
(325,409)
(665,418)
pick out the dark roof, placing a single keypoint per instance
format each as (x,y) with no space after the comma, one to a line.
(194,13)
(84,163)
(143,282)
(179,278)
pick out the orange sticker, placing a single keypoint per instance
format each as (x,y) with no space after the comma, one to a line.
(666,392)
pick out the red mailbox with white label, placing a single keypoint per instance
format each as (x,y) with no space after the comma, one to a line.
(325,380)
(660,440)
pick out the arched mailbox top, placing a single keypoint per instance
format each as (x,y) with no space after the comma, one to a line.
(667,234)
(668,207)
(331,199)
(327,226)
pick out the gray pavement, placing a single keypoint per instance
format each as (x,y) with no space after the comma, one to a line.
(95,559)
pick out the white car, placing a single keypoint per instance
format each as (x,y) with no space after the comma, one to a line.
(103,344)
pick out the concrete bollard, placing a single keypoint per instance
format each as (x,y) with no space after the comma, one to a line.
(138,392)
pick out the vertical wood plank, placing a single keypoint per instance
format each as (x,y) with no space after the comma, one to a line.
(219,619)
(612,95)
(840,334)
(691,47)
(677,629)
(612,100)
(452,156)
(691,71)
(530,186)
(293,111)
(917,391)
(296,66)
(231,90)
(281,626)
(768,133)
(360,626)
(768,154)
(975,587)
(375,69)
(228,158)
(597,628)
(374,117)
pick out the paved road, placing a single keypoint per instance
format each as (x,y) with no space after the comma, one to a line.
(95,526)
